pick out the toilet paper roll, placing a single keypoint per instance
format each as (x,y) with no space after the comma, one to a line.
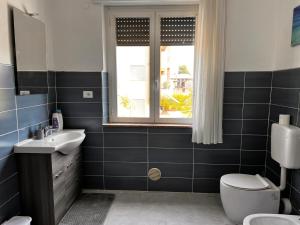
(284,119)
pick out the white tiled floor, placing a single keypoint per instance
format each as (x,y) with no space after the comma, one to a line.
(165,208)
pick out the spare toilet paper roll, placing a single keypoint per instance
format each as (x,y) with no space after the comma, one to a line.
(284,119)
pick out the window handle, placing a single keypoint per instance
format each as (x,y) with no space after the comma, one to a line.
(156,84)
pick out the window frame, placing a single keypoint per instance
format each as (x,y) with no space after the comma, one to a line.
(154,13)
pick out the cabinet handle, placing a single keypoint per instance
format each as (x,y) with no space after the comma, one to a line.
(58,174)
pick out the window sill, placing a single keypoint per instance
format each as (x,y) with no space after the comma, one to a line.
(146,125)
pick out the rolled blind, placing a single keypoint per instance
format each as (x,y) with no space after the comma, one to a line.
(133,31)
(177,31)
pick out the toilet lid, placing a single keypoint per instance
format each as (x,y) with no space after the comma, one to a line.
(245,181)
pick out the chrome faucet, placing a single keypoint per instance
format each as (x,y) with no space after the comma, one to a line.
(48,130)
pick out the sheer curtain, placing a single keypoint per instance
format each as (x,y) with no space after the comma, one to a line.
(209,72)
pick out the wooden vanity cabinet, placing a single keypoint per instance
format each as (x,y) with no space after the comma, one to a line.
(49,184)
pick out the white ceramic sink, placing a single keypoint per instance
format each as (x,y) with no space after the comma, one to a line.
(63,141)
(271,219)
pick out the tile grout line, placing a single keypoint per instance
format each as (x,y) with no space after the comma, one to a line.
(47,95)
(17,118)
(55,90)
(147,158)
(193,169)
(269,113)
(242,127)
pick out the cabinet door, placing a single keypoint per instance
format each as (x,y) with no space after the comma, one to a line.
(58,177)
(72,177)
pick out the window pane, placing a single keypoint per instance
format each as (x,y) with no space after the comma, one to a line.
(133,67)
(176,66)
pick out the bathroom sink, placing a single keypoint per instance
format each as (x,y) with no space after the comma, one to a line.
(63,141)
(271,219)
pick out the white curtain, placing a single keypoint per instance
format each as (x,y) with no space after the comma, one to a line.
(209,72)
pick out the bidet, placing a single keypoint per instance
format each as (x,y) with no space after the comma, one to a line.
(271,219)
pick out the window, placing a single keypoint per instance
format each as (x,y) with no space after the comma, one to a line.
(151,62)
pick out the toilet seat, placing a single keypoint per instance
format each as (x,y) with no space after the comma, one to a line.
(245,182)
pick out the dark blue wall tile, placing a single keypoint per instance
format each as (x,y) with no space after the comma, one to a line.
(257,95)
(296,179)
(8,189)
(232,126)
(125,140)
(7,99)
(8,121)
(93,182)
(125,154)
(255,127)
(125,169)
(8,167)
(229,142)
(253,157)
(256,111)
(31,100)
(174,170)
(33,115)
(32,79)
(175,155)
(254,142)
(51,95)
(214,171)
(217,156)
(92,168)
(78,79)
(258,79)
(287,78)
(93,154)
(51,78)
(76,95)
(233,95)
(93,140)
(126,183)
(170,140)
(232,111)
(7,144)
(285,97)
(89,124)
(11,208)
(207,185)
(295,199)
(80,109)
(250,169)
(171,184)
(10,202)
(234,79)
(51,109)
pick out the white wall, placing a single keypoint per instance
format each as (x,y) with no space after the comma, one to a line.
(76,27)
(250,35)
(39,6)
(286,56)
(257,34)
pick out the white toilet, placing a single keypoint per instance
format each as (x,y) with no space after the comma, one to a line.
(18,220)
(243,194)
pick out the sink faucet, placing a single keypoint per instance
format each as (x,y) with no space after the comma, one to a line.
(49,130)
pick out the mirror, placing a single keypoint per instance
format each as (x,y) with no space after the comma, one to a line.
(30,54)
